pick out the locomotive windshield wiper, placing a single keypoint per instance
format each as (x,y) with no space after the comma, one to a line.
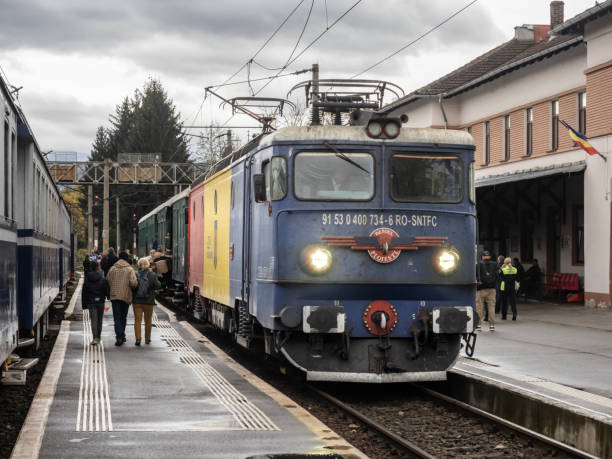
(341,155)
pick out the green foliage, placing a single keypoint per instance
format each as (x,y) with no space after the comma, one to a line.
(146,123)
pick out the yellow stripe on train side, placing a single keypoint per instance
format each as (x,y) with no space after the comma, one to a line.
(217,192)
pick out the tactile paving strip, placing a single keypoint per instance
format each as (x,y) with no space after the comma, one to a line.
(94,411)
(246,413)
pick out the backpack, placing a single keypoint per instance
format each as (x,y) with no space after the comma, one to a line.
(488,275)
(143,284)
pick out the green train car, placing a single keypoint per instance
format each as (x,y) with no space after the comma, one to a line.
(164,230)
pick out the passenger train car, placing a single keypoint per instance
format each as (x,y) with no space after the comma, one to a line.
(349,251)
(35,233)
(164,229)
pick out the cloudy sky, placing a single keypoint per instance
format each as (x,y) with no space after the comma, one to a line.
(77,60)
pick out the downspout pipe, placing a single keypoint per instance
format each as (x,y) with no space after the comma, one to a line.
(435,96)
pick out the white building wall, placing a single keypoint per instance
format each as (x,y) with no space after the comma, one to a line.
(550,76)
(598,35)
(597,220)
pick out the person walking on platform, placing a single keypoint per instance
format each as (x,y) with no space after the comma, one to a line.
(498,299)
(508,287)
(144,299)
(486,275)
(108,260)
(95,292)
(121,279)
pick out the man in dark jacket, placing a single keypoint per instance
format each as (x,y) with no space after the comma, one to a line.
(144,299)
(95,291)
(486,274)
(108,261)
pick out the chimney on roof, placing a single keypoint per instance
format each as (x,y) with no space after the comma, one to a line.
(556,14)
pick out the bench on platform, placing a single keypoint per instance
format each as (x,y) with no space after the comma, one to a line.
(562,282)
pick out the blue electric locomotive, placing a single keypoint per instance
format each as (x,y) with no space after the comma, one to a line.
(361,250)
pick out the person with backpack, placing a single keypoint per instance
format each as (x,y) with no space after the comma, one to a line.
(122,280)
(486,276)
(144,299)
(95,292)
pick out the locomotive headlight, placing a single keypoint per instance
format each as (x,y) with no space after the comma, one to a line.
(391,129)
(374,129)
(316,259)
(446,261)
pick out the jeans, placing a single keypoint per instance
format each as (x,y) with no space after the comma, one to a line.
(96,315)
(120,312)
(139,309)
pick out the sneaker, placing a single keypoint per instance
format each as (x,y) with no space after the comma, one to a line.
(94,342)
(137,342)
(147,341)
(119,342)
(124,339)
(478,328)
(491,327)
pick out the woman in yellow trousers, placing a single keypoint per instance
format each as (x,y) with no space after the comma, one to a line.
(144,300)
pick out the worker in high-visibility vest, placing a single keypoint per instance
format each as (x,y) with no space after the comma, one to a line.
(508,287)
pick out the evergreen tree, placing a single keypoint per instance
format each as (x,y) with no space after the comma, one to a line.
(122,123)
(101,148)
(156,125)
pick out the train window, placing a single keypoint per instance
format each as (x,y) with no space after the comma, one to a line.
(215,203)
(334,176)
(232,192)
(194,210)
(426,178)
(202,205)
(275,173)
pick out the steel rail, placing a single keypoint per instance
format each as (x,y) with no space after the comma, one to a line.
(509,424)
(414,449)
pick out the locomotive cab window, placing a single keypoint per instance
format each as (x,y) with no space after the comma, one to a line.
(275,174)
(425,178)
(334,176)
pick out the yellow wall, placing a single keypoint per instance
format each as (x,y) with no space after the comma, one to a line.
(216,241)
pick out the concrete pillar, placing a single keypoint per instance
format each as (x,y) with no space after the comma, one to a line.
(90,230)
(118,218)
(105,215)
(597,225)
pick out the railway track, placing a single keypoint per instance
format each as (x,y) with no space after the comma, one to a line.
(548,447)
(407,420)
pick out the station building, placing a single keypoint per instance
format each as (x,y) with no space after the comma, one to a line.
(539,196)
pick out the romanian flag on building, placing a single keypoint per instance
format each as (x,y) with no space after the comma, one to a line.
(580,140)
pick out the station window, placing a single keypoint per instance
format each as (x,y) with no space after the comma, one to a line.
(506,137)
(554,128)
(529,133)
(582,112)
(487,148)
(578,236)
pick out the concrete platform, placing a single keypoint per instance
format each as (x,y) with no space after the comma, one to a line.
(180,396)
(551,371)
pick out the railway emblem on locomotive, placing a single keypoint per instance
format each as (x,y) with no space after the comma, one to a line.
(383,245)
(384,254)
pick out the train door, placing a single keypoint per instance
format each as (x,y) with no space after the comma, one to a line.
(262,233)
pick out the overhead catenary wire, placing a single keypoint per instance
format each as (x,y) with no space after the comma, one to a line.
(317,38)
(261,48)
(420,37)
